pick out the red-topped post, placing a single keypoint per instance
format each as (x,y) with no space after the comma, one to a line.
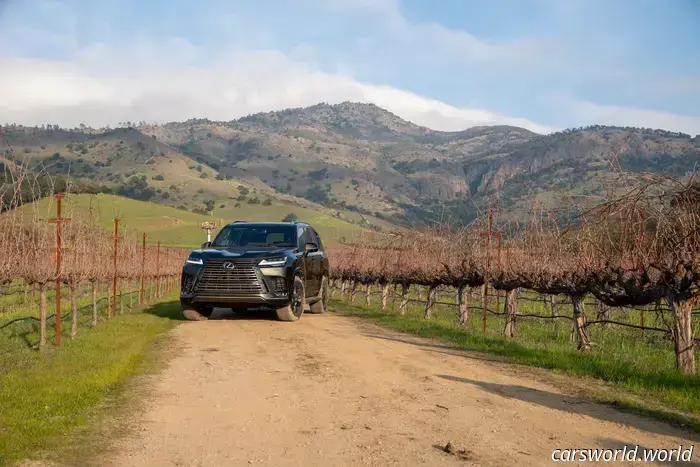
(158,271)
(58,220)
(143,266)
(116,239)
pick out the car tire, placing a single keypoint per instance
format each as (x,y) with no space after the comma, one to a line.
(192,313)
(295,309)
(321,306)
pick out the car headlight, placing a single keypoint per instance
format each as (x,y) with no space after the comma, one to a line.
(273,262)
(197,261)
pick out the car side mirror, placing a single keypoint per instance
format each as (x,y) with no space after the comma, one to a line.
(310,247)
(206,245)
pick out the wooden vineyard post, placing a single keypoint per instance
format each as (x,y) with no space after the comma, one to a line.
(404,298)
(143,266)
(385,295)
(498,294)
(640,262)
(463,305)
(158,271)
(171,281)
(42,311)
(94,303)
(166,285)
(511,309)
(579,324)
(353,291)
(58,220)
(488,235)
(116,239)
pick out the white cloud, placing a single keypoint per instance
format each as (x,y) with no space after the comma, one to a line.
(240,82)
(439,115)
(587,112)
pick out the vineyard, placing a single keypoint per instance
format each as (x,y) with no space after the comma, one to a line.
(58,273)
(635,260)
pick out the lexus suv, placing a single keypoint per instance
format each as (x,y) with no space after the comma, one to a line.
(253,265)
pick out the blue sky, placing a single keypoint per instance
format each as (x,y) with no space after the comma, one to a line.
(446,64)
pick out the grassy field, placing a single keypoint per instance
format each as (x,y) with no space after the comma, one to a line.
(175,227)
(17,336)
(48,395)
(637,372)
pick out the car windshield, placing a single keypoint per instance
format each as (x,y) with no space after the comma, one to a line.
(256,236)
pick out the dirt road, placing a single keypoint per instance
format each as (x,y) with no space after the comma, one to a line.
(334,391)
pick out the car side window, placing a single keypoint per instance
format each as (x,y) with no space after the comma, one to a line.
(303,236)
(316,239)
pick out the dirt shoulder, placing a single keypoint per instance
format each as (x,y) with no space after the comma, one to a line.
(337,391)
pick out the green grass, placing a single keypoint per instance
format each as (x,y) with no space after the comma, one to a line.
(639,372)
(47,395)
(24,334)
(176,227)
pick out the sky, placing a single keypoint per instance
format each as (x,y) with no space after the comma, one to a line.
(544,65)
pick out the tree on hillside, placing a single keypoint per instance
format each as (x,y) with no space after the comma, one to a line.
(316,194)
(136,188)
(291,217)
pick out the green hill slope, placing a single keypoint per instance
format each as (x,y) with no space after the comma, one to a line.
(176,227)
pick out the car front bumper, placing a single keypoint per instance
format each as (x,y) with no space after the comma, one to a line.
(238,302)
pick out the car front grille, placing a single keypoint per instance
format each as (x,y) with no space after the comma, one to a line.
(215,280)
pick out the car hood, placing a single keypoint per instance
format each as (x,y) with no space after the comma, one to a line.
(242,253)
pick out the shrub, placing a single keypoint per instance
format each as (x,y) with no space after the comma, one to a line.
(291,217)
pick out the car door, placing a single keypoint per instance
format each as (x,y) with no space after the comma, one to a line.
(322,261)
(308,261)
(317,261)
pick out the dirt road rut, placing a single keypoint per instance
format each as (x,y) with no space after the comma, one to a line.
(334,391)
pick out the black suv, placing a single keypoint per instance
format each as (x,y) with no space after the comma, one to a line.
(256,265)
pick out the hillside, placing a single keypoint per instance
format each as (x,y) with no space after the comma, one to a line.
(175,227)
(359,158)
(366,158)
(128,163)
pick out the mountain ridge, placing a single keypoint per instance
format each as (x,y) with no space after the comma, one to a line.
(364,158)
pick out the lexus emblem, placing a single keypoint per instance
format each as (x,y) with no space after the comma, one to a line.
(229,265)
